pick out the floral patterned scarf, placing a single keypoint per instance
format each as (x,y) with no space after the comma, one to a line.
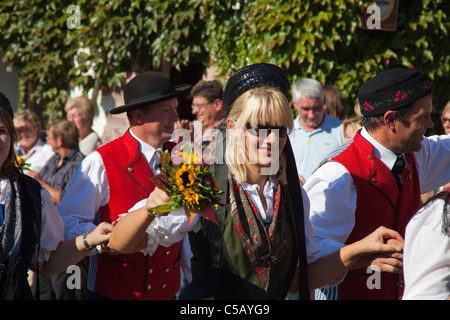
(265,246)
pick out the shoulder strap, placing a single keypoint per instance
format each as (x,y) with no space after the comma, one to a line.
(33,189)
(297,204)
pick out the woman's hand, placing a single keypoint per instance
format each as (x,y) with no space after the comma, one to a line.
(101,234)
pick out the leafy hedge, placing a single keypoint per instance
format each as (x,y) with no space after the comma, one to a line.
(316,38)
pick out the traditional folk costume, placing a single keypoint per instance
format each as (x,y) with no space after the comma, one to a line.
(245,256)
(354,191)
(111,180)
(30,229)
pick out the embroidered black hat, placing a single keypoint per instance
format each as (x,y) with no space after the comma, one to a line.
(6,105)
(392,90)
(252,76)
(148,88)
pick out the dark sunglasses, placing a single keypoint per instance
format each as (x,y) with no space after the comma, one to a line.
(265,130)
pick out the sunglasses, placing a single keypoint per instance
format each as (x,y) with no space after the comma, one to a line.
(444,120)
(266,130)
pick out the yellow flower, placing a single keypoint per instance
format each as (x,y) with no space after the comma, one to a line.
(185,176)
(185,180)
(19,160)
(190,196)
(189,158)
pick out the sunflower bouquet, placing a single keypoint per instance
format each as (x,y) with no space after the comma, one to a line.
(190,184)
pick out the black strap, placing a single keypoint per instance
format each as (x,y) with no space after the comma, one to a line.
(33,188)
(297,205)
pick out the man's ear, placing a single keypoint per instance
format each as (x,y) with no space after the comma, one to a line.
(59,141)
(137,115)
(390,120)
(218,105)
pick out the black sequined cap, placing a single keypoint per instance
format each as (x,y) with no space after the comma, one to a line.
(255,75)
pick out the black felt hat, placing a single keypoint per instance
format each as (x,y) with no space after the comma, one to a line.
(392,90)
(252,76)
(6,105)
(147,88)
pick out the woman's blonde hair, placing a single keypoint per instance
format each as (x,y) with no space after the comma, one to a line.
(260,105)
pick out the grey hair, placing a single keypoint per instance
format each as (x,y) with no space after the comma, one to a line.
(307,87)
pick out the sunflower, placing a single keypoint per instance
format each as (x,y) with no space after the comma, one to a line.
(185,177)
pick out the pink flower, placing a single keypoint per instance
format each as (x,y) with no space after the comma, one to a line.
(404,96)
(367,104)
(396,99)
(398,93)
(371,107)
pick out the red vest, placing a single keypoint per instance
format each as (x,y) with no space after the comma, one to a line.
(379,203)
(132,276)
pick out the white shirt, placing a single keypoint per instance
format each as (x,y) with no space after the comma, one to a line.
(38,156)
(426,259)
(332,191)
(52,227)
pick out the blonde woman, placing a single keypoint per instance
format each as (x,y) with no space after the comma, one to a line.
(81,111)
(351,127)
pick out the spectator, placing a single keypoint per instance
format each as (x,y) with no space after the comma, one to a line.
(81,111)
(351,127)
(335,105)
(57,174)
(207,107)
(55,177)
(315,133)
(30,147)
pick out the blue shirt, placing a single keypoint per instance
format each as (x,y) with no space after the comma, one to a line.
(310,148)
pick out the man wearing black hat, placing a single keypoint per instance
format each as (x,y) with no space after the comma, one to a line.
(377,178)
(113,179)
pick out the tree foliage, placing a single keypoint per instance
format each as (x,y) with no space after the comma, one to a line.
(316,38)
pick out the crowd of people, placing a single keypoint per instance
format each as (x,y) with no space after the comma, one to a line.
(346,201)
